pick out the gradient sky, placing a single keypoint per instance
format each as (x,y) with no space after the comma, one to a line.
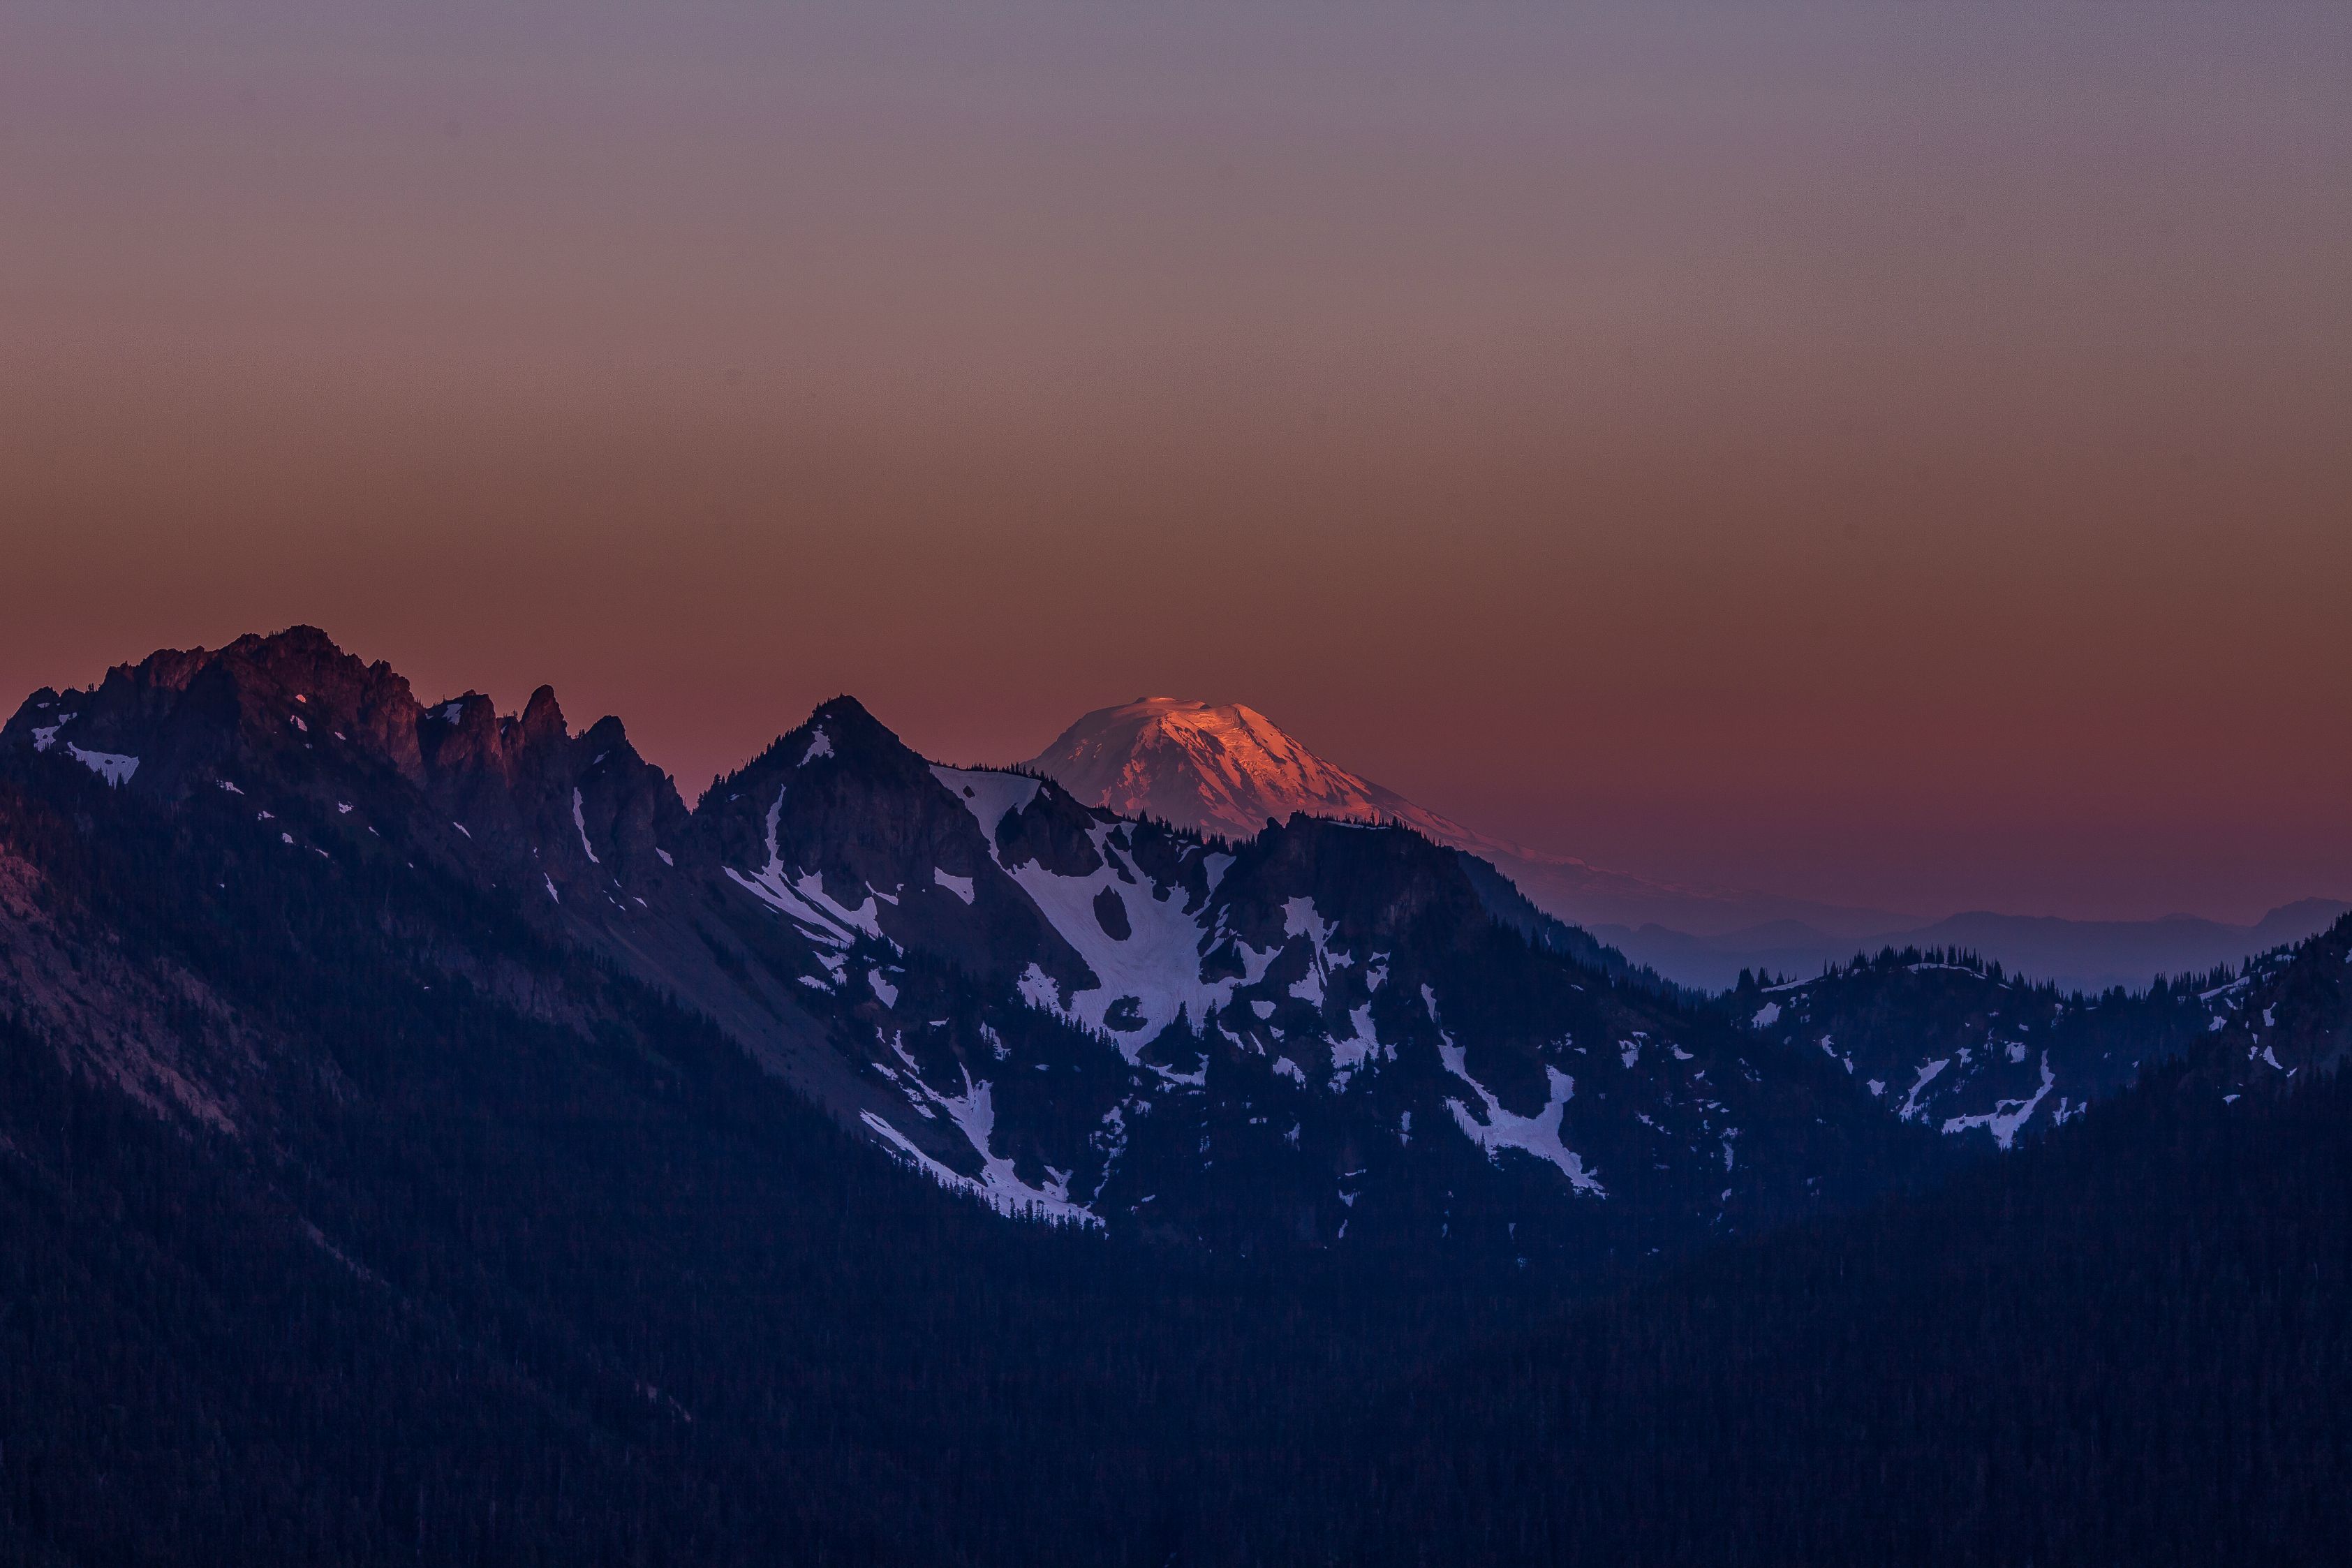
(1893,454)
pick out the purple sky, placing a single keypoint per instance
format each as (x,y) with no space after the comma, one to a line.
(1887,453)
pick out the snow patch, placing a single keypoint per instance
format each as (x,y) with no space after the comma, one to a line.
(989,795)
(1926,1076)
(960,886)
(1037,989)
(1537,1134)
(2006,1116)
(1765,1016)
(974,1113)
(803,901)
(113,767)
(1361,1045)
(1157,967)
(580,821)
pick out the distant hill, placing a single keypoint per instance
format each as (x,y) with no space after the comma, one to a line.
(2074,955)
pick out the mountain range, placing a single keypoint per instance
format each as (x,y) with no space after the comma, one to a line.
(1340,1026)
(1333,1030)
(1228,769)
(424,1136)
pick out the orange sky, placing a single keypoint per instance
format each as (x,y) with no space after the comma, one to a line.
(1888,454)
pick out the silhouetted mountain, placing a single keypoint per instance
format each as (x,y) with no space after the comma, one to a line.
(423,1138)
(2090,956)
(1329,1033)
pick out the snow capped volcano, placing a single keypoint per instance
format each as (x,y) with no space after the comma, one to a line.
(1219,768)
(1227,769)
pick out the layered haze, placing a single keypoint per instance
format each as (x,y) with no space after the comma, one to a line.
(1228,769)
(1889,456)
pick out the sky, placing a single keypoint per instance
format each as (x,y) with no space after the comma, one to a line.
(1889,454)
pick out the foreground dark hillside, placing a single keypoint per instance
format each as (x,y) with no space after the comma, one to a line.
(365,1255)
(2131,1342)
(349,1216)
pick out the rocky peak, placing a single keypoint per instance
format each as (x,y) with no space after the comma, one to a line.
(463,735)
(543,719)
(184,714)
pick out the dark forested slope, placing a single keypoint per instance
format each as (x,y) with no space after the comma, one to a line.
(2130,1342)
(365,1223)
(354,1209)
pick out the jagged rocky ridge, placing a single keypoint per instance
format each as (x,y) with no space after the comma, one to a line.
(1328,1032)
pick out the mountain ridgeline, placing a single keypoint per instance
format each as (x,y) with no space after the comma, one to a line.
(1328,1032)
(426,1138)
(1228,769)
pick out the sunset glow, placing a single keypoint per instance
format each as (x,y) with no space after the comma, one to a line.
(1879,453)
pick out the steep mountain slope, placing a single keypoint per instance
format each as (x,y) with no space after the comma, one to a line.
(325,755)
(401,1265)
(1308,1035)
(1329,1033)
